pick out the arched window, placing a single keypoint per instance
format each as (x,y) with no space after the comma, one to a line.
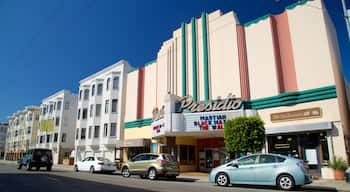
(107,86)
(93,90)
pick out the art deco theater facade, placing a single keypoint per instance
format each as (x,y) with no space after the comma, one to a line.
(284,68)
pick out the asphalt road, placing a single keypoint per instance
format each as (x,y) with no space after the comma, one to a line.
(13,180)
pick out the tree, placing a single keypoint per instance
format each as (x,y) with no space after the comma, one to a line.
(244,134)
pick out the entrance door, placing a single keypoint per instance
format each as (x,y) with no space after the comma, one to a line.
(205,159)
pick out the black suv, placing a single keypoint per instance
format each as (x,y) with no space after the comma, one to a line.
(36,158)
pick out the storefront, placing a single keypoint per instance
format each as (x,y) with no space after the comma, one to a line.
(193,132)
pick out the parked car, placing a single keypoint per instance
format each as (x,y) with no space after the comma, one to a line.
(95,164)
(262,169)
(36,158)
(151,165)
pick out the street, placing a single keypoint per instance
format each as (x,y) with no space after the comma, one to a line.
(13,180)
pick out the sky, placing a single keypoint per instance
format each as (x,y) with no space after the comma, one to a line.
(49,45)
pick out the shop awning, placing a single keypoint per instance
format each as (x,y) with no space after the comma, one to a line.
(133,143)
(299,128)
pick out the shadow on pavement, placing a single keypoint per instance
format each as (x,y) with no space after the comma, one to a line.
(304,188)
(46,182)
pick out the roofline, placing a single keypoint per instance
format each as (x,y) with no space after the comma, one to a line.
(63,91)
(121,62)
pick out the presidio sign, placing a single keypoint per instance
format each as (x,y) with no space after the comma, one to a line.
(229,103)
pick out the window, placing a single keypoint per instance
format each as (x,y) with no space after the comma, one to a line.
(99,89)
(106,106)
(48,138)
(55,137)
(97,132)
(280,159)
(59,104)
(85,111)
(105,130)
(80,94)
(30,117)
(64,137)
(78,114)
(248,160)
(91,110)
(107,85)
(28,130)
(51,108)
(83,133)
(113,129)
(114,105)
(267,159)
(89,133)
(98,110)
(77,134)
(66,105)
(93,90)
(186,154)
(37,117)
(86,94)
(57,121)
(116,82)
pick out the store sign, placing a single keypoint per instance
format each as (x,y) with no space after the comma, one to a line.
(297,115)
(210,122)
(158,127)
(230,103)
(157,113)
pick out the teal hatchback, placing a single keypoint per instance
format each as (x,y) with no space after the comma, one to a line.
(262,169)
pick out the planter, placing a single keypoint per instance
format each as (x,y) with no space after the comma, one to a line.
(338,174)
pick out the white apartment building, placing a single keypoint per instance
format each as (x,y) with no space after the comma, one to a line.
(100,112)
(3,131)
(22,131)
(57,124)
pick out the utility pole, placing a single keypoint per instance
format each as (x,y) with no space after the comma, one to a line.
(346,17)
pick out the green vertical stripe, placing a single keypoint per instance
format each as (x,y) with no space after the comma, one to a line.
(205,56)
(184,69)
(194,60)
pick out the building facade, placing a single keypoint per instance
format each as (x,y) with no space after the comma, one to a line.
(22,132)
(215,68)
(3,133)
(57,124)
(101,112)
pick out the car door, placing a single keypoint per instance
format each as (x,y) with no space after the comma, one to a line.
(135,163)
(266,169)
(82,165)
(244,172)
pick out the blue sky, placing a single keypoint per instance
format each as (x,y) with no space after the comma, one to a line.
(48,45)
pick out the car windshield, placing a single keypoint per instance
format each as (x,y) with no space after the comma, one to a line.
(103,159)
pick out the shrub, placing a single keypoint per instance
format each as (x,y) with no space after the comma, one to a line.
(338,163)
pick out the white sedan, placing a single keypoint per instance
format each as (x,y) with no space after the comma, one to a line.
(95,164)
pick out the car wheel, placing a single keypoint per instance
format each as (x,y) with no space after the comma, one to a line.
(222,179)
(285,182)
(19,166)
(143,176)
(92,169)
(125,172)
(48,168)
(29,167)
(76,168)
(152,174)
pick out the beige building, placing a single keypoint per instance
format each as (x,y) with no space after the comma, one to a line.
(215,68)
(22,132)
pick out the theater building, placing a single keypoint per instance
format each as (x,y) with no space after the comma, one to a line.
(284,68)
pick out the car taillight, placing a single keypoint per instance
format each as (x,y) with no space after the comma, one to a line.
(162,161)
(100,163)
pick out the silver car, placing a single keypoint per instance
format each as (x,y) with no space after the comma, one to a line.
(262,169)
